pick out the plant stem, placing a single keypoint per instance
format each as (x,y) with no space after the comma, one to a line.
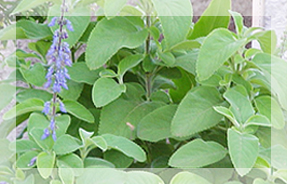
(147,52)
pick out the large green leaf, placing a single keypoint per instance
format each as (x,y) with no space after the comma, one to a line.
(270,108)
(126,146)
(155,126)
(126,113)
(243,150)
(7,92)
(66,144)
(112,8)
(106,90)
(195,113)
(74,90)
(274,69)
(109,36)
(23,161)
(32,30)
(215,16)
(215,50)
(188,178)
(78,69)
(175,17)
(128,63)
(36,70)
(30,105)
(241,106)
(45,163)
(67,175)
(28,4)
(33,93)
(142,177)
(79,111)
(279,156)
(197,153)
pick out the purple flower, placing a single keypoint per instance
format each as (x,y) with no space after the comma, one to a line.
(62,107)
(46,134)
(54,136)
(53,21)
(32,161)
(69,25)
(52,124)
(47,107)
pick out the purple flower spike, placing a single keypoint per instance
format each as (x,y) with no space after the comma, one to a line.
(47,107)
(53,21)
(32,161)
(62,107)
(46,134)
(52,125)
(69,26)
(54,136)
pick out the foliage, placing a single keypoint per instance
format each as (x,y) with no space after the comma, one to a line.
(150,91)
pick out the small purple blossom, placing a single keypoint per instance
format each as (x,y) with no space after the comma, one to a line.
(62,107)
(32,161)
(46,134)
(53,21)
(69,25)
(54,136)
(47,107)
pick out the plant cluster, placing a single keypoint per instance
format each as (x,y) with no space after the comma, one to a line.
(152,90)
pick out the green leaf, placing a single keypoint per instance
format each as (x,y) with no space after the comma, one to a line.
(167,57)
(188,178)
(7,92)
(274,72)
(66,175)
(258,120)
(33,93)
(36,70)
(175,17)
(24,160)
(23,145)
(45,163)
(106,90)
(128,63)
(155,126)
(108,73)
(197,153)
(27,5)
(270,108)
(109,36)
(118,159)
(100,142)
(126,146)
(227,113)
(112,9)
(74,90)
(215,50)
(186,45)
(142,177)
(79,111)
(94,162)
(279,157)
(195,113)
(8,33)
(33,30)
(241,106)
(78,69)
(30,105)
(126,113)
(238,20)
(267,40)
(37,133)
(243,150)
(215,16)
(66,144)
(71,161)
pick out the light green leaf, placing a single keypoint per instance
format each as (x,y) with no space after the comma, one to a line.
(279,156)
(227,113)
(79,111)
(33,93)
(241,106)
(215,50)
(78,69)
(37,133)
(23,145)
(8,33)
(126,146)
(275,74)
(258,120)
(7,92)
(128,63)
(142,177)
(45,163)
(238,20)
(167,57)
(282,174)
(197,153)
(106,90)
(215,16)
(188,178)
(175,17)
(112,7)
(109,36)
(32,30)
(23,161)
(186,45)
(74,91)
(100,142)
(94,162)
(195,113)
(267,40)
(36,70)
(155,126)
(30,105)
(66,144)
(27,5)
(243,150)
(66,175)
(270,108)
(71,161)
(260,181)
(108,73)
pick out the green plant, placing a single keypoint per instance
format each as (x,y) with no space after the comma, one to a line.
(153,90)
